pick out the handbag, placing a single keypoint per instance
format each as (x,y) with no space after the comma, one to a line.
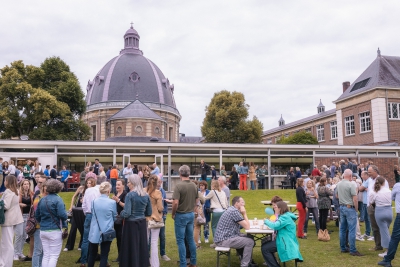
(31,222)
(118,220)
(200,220)
(64,233)
(106,236)
(323,235)
(152,224)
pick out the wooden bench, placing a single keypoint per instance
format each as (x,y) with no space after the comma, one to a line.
(223,251)
(285,186)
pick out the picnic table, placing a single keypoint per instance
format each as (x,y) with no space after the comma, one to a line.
(258,230)
(268,202)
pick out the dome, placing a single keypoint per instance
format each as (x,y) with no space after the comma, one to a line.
(130,76)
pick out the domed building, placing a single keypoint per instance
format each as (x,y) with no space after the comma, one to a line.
(131,100)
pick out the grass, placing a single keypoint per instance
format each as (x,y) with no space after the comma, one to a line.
(315,253)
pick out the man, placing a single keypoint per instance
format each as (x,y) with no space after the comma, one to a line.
(261,172)
(91,174)
(53,172)
(223,187)
(184,199)
(96,166)
(155,170)
(373,173)
(162,229)
(37,243)
(90,194)
(395,238)
(82,176)
(242,171)
(64,173)
(27,170)
(113,178)
(291,177)
(315,172)
(205,169)
(364,212)
(47,171)
(333,169)
(347,194)
(228,230)
(327,171)
(126,172)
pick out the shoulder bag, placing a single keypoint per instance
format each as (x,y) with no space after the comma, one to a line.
(323,235)
(200,218)
(65,232)
(31,222)
(152,224)
(106,236)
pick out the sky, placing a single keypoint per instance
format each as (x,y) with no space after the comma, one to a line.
(284,56)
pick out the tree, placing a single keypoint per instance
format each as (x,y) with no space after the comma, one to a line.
(299,138)
(41,102)
(226,120)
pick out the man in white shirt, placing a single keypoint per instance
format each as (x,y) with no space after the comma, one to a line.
(126,172)
(373,173)
(90,194)
(156,170)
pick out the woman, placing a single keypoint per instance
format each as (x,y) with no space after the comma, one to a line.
(13,217)
(285,243)
(102,173)
(213,173)
(252,176)
(312,208)
(396,173)
(140,173)
(51,214)
(76,219)
(222,172)
(298,173)
(119,199)
(25,203)
(104,213)
(146,173)
(381,198)
(219,204)
(157,209)
(134,240)
(234,179)
(301,207)
(207,205)
(324,203)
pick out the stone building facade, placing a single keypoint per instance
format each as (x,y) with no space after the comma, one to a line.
(367,112)
(130,99)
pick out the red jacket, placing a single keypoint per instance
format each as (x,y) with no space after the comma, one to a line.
(315,172)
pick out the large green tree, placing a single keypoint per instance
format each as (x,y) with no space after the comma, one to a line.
(43,102)
(226,120)
(299,138)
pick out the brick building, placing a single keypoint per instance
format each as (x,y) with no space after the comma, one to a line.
(367,112)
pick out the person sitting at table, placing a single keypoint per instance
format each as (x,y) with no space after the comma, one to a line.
(285,228)
(228,231)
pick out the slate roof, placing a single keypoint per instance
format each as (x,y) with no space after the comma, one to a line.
(191,139)
(136,109)
(384,72)
(302,121)
(136,139)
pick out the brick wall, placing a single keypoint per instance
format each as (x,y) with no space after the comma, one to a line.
(327,134)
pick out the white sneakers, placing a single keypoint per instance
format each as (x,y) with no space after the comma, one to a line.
(360,238)
(165,258)
(206,240)
(370,238)
(18,257)
(65,249)
(383,254)
(199,241)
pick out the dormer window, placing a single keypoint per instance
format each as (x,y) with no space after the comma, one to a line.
(99,79)
(134,77)
(321,109)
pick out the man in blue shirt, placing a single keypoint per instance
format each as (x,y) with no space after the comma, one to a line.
(64,177)
(395,238)
(47,171)
(156,170)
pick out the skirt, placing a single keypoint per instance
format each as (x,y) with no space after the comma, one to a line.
(134,245)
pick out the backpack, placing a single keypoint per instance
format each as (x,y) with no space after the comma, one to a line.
(2,217)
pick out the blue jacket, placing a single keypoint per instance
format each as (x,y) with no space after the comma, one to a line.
(46,172)
(298,174)
(286,241)
(243,170)
(105,210)
(136,207)
(206,205)
(56,206)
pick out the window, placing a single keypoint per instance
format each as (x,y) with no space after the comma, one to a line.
(360,85)
(320,133)
(94,133)
(365,122)
(334,130)
(393,110)
(286,135)
(157,130)
(269,141)
(349,122)
(138,129)
(308,130)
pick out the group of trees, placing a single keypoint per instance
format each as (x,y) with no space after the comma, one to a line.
(44,103)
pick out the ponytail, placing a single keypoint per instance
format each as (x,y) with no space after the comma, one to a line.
(379,183)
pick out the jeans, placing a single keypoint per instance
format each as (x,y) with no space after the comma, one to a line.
(52,243)
(374,226)
(93,252)
(37,250)
(314,212)
(162,238)
(20,236)
(268,250)
(113,186)
(394,240)
(252,185)
(203,177)
(184,229)
(85,241)
(365,217)
(261,182)
(348,221)
(154,235)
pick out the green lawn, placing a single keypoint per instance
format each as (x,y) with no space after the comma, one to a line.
(315,253)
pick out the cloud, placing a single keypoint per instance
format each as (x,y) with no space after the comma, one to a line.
(284,56)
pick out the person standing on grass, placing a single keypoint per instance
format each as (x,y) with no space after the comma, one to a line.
(163,255)
(204,170)
(301,207)
(185,197)
(223,187)
(64,177)
(291,176)
(395,238)
(324,203)
(364,214)
(113,178)
(312,208)
(242,171)
(347,194)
